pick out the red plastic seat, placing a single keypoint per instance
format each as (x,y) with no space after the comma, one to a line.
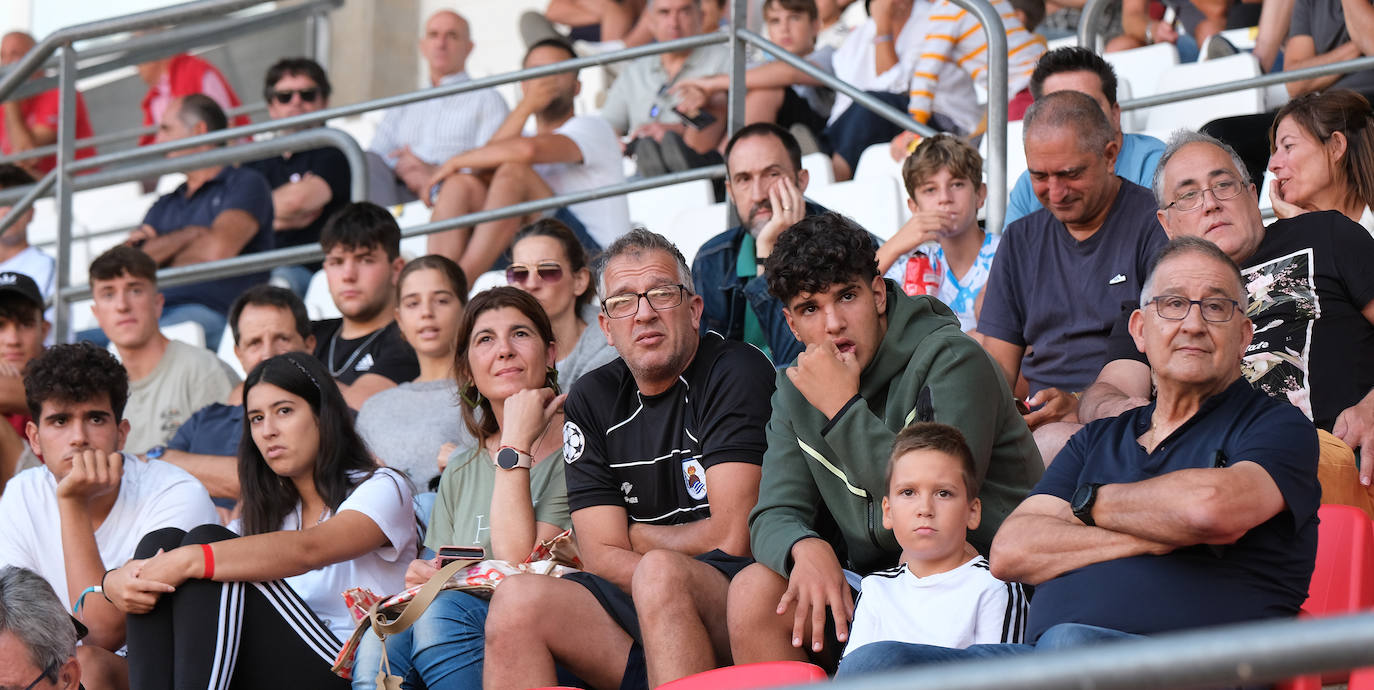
(761,675)
(1342,582)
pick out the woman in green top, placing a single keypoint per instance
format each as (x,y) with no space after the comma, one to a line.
(512,406)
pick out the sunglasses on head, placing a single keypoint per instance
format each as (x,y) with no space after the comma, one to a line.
(284,96)
(548,271)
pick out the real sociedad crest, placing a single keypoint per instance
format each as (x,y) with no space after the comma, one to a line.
(694,477)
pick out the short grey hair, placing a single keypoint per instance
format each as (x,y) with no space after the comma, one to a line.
(31,611)
(1189,244)
(1184,137)
(1071,110)
(636,242)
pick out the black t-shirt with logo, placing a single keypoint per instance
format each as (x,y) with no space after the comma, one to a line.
(1307,284)
(383,352)
(649,454)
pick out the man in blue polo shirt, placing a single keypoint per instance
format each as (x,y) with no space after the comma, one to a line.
(1197,510)
(1079,69)
(266,321)
(218,213)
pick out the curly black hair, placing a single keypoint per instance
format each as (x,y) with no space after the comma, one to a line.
(75,373)
(818,252)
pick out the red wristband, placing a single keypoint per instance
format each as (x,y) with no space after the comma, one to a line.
(209,561)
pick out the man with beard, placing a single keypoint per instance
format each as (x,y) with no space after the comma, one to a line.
(364,350)
(766,181)
(565,153)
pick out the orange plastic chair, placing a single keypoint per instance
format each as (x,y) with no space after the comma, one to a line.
(1342,582)
(760,675)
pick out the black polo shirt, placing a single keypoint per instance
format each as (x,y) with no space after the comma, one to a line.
(649,453)
(328,164)
(1263,575)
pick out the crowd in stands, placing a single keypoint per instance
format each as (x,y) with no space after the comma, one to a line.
(809,443)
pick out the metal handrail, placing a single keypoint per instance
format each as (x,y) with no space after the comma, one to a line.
(297,141)
(1361,63)
(262,261)
(176,14)
(997,99)
(1087,25)
(1248,653)
(111,137)
(117,55)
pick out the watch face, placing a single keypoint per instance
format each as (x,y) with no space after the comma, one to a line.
(507,458)
(1081,497)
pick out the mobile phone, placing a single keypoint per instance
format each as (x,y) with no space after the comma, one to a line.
(448,554)
(701,120)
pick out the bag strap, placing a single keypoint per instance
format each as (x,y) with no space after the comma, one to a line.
(420,602)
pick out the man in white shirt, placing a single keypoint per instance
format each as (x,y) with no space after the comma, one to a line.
(169,379)
(565,153)
(86,509)
(414,139)
(16,254)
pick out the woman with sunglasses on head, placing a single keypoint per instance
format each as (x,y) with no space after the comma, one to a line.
(319,516)
(548,262)
(416,425)
(1322,155)
(506,495)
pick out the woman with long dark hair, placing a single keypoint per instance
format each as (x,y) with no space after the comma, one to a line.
(505,495)
(211,609)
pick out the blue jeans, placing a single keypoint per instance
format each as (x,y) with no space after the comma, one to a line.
(212,321)
(887,656)
(296,277)
(443,649)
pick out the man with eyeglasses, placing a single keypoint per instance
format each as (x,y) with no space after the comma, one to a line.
(37,635)
(1309,291)
(1197,510)
(1062,272)
(307,186)
(664,447)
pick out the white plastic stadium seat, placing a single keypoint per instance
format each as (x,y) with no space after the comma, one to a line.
(821,169)
(693,227)
(487,281)
(872,203)
(318,302)
(1194,113)
(188,332)
(1142,66)
(649,207)
(876,161)
(226,352)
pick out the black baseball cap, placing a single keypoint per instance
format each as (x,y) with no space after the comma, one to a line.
(22,285)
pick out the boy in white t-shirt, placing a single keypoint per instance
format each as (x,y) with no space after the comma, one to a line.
(86,509)
(944,182)
(943,592)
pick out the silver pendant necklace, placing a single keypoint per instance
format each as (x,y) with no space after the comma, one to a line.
(334,341)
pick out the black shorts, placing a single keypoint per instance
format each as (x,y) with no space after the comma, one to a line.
(795,110)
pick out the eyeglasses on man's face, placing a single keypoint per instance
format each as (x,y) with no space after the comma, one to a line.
(284,96)
(660,298)
(1192,200)
(1213,309)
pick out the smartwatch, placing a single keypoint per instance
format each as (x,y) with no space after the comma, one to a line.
(508,458)
(156,452)
(1082,503)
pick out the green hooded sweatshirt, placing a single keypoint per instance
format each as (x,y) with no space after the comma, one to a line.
(827,478)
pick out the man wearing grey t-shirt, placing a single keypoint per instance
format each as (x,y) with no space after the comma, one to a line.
(641,105)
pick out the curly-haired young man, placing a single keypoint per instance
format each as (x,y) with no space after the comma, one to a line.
(875,361)
(85,510)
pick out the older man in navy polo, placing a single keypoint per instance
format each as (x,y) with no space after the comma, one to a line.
(1197,510)
(218,213)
